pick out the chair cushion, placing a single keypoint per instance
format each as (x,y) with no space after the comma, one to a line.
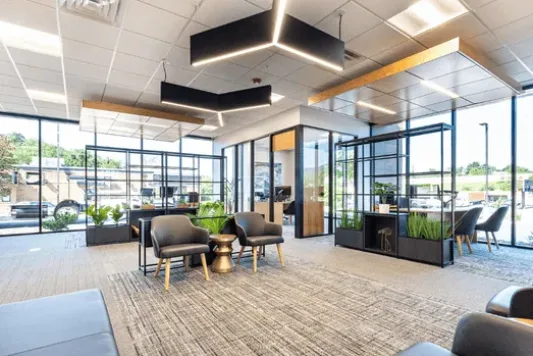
(264,240)
(183,250)
(57,323)
(425,349)
(500,304)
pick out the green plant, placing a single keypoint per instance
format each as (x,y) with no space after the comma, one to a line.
(182,202)
(99,215)
(60,222)
(415,225)
(357,221)
(345,221)
(210,216)
(433,229)
(117,214)
(383,190)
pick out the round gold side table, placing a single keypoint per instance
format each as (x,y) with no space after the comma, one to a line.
(223,262)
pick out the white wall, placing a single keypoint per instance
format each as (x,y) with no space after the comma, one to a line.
(333,121)
(260,128)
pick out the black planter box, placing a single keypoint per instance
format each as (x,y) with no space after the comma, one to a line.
(349,238)
(108,234)
(428,251)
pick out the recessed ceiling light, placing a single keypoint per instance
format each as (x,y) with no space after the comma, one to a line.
(29,39)
(276,97)
(426,14)
(209,128)
(46,96)
(439,89)
(377,108)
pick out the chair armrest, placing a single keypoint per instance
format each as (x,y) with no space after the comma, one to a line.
(487,334)
(201,236)
(522,304)
(155,244)
(241,234)
(273,229)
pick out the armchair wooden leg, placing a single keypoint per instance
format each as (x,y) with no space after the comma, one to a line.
(186,263)
(204,265)
(459,244)
(495,241)
(468,244)
(488,240)
(158,268)
(280,254)
(240,255)
(167,273)
(254,253)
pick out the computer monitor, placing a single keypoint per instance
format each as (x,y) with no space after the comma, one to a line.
(168,192)
(282,192)
(194,197)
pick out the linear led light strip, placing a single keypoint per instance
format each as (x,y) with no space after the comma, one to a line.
(275,42)
(439,89)
(375,107)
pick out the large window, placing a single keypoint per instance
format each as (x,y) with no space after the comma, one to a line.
(476,166)
(524,173)
(244,181)
(230,183)
(19,177)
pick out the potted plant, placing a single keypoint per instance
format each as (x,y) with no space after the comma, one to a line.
(182,204)
(424,240)
(349,233)
(211,216)
(60,222)
(383,191)
(100,233)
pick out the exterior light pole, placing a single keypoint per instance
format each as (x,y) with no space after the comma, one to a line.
(486,161)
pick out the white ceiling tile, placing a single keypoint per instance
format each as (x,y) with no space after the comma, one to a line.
(312,76)
(486,42)
(6,90)
(491,95)
(465,26)
(50,3)
(362,93)
(234,87)
(44,86)
(501,56)
(181,57)
(287,103)
(355,21)
(253,59)
(192,28)
(444,65)
(412,92)
(474,4)
(394,82)
(86,70)
(287,88)
(523,49)
(120,95)
(398,52)
(29,14)
(524,77)
(44,75)
(279,65)
(332,104)
(8,99)
(209,83)
(29,58)
(266,79)
(62,114)
(150,101)
(225,70)
(176,75)
(359,68)
(312,11)
(304,95)
(86,30)
(86,52)
(6,68)
(24,109)
(83,88)
(153,22)
(431,99)
(516,31)
(183,8)
(478,87)
(502,12)
(133,64)
(48,105)
(128,80)
(386,8)
(461,77)
(210,13)
(142,46)
(376,40)
(511,68)
(265,4)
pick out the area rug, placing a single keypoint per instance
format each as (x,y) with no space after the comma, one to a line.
(301,309)
(508,263)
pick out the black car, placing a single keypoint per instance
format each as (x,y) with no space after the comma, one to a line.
(30,209)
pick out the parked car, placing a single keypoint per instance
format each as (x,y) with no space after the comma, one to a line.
(30,209)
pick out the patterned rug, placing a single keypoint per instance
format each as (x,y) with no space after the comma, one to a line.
(301,309)
(508,263)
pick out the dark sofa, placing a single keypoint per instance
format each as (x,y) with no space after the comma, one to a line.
(75,324)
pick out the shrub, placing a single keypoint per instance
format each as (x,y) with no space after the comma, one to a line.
(99,215)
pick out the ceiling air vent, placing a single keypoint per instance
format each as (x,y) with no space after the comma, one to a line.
(350,56)
(103,10)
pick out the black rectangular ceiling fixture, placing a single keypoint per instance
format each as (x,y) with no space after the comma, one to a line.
(202,100)
(272,28)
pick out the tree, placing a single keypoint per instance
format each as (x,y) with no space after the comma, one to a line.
(518,169)
(477,169)
(7,161)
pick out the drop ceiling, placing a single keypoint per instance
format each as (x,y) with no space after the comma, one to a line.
(121,63)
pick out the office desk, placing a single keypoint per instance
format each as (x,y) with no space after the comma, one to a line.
(263,207)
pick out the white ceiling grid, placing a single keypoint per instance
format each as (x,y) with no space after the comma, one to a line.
(122,62)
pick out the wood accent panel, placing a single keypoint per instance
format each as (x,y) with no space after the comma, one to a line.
(124,109)
(389,70)
(284,141)
(262,207)
(313,218)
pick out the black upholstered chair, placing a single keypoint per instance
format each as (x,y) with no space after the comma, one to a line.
(254,231)
(290,210)
(493,224)
(512,302)
(482,334)
(466,228)
(176,236)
